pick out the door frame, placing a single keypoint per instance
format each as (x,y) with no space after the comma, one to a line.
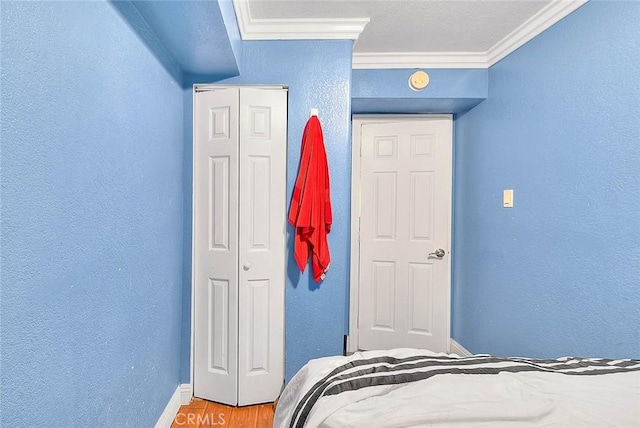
(354,275)
(203,87)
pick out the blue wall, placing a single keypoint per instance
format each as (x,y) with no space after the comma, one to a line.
(388,91)
(95,270)
(318,74)
(92,198)
(558,274)
(147,35)
(231,26)
(194,33)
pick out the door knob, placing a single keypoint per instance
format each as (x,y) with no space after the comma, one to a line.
(246,266)
(438,253)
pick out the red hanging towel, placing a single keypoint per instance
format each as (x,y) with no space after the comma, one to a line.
(310,210)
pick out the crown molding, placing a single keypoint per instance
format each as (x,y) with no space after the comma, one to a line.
(419,60)
(545,18)
(295,29)
(324,29)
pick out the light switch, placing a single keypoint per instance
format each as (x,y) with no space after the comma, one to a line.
(507,198)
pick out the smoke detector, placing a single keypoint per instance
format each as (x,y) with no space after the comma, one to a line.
(418,80)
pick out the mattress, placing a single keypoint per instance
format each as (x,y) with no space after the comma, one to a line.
(418,388)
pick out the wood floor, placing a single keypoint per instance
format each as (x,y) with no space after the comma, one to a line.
(205,414)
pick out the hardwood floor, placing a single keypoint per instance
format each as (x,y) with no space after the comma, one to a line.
(206,414)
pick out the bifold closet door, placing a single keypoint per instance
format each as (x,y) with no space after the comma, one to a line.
(239,244)
(263,147)
(216,246)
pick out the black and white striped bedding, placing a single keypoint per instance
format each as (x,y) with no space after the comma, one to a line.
(408,387)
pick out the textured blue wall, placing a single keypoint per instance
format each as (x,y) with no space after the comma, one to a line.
(194,33)
(148,36)
(91,233)
(231,25)
(318,74)
(559,273)
(388,91)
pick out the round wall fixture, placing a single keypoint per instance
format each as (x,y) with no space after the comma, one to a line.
(418,80)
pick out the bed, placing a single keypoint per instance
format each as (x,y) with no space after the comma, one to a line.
(418,388)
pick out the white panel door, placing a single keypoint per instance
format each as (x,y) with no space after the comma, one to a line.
(263,137)
(404,218)
(216,246)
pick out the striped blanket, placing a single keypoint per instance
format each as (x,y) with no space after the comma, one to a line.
(409,387)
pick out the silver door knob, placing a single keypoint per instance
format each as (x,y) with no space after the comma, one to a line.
(438,253)
(246,266)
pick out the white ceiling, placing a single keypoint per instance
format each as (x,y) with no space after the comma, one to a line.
(407,33)
(413,25)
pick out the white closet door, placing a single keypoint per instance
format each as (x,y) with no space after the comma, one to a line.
(216,246)
(263,142)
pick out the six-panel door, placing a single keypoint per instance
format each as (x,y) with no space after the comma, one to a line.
(405,216)
(239,244)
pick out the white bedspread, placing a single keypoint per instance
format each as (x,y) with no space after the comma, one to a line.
(417,388)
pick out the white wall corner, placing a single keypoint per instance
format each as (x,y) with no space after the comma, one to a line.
(458,349)
(170,410)
(296,29)
(545,18)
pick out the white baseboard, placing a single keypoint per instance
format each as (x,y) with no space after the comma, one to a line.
(186,393)
(178,398)
(458,349)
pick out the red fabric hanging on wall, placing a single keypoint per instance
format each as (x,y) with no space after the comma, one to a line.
(310,210)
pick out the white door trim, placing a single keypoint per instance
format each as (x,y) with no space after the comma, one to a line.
(354,276)
(192,342)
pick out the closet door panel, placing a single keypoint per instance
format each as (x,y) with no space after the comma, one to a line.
(216,245)
(262,236)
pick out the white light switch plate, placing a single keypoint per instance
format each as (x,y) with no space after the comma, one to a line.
(507,198)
